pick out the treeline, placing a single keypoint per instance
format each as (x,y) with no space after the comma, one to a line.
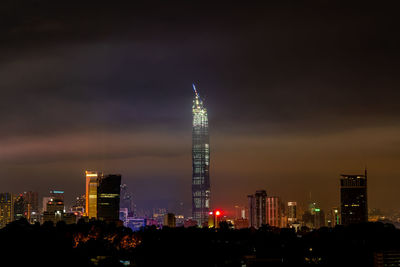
(100,244)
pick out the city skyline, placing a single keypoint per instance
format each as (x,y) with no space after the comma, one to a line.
(294,97)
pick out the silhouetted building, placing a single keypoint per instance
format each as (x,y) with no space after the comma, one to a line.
(353,198)
(200,161)
(258,208)
(6,209)
(241,223)
(108,197)
(19,207)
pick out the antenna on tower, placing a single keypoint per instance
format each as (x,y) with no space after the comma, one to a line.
(194,89)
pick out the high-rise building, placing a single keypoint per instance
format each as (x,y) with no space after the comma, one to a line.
(353,198)
(6,209)
(252,210)
(127,201)
(201,190)
(32,201)
(292,212)
(108,197)
(19,207)
(333,218)
(258,208)
(57,194)
(91,193)
(169,220)
(273,211)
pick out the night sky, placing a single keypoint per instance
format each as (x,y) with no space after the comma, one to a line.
(296,94)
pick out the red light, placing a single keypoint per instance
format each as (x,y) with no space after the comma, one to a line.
(211,213)
(217,213)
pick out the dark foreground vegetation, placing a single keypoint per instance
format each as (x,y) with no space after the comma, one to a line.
(97,243)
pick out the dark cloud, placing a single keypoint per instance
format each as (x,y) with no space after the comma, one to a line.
(274,70)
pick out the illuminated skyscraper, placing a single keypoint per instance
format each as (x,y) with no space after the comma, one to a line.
(6,209)
(292,212)
(353,198)
(200,161)
(91,193)
(274,211)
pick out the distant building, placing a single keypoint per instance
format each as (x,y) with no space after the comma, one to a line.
(334,217)
(127,201)
(353,198)
(32,201)
(314,217)
(44,203)
(201,191)
(273,211)
(123,215)
(108,197)
(54,211)
(241,223)
(57,194)
(189,223)
(257,208)
(136,224)
(91,193)
(19,207)
(169,220)
(292,212)
(252,210)
(6,209)
(79,206)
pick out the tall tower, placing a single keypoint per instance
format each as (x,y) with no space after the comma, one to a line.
(108,197)
(200,161)
(91,193)
(353,198)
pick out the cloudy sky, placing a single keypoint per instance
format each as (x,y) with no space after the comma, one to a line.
(296,94)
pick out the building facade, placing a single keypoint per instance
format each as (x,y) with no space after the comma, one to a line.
(353,198)
(201,191)
(6,209)
(258,208)
(292,212)
(91,193)
(273,211)
(108,197)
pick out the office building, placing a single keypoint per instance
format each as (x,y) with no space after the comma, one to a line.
(169,220)
(257,208)
(353,198)
(6,209)
(91,193)
(19,206)
(32,201)
(200,161)
(292,212)
(273,211)
(108,197)
(57,194)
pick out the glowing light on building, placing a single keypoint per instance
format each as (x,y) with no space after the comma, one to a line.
(91,193)
(200,161)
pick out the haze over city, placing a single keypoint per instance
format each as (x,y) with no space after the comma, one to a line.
(296,95)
